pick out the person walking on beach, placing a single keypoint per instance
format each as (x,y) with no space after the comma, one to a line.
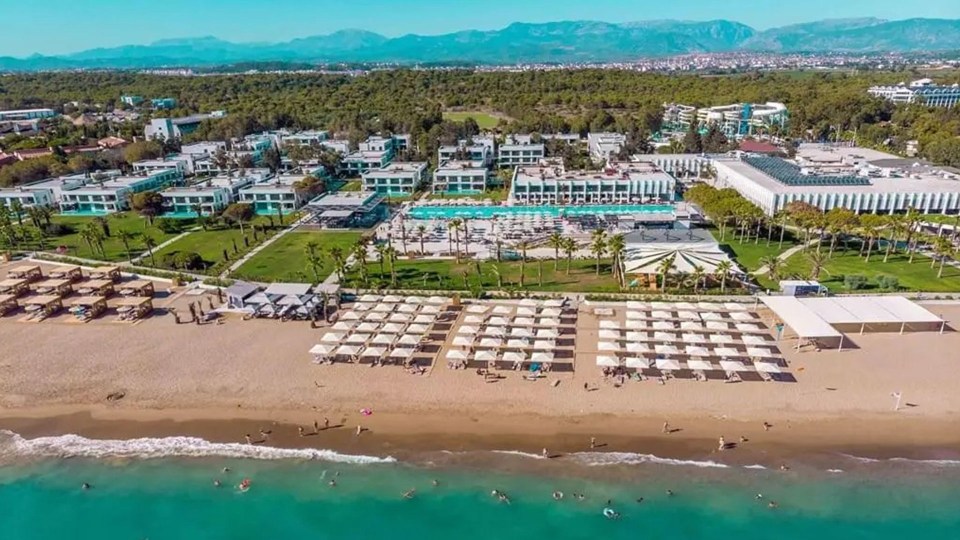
(767,426)
(666,427)
(544,453)
(593,442)
(300,431)
(359,430)
(326,423)
(722,444)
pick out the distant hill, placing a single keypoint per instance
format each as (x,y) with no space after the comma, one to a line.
(569,41)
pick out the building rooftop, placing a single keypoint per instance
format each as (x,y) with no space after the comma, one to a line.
(399,167)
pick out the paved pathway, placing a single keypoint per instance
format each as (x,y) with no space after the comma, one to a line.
(787,254)
(139,258)
(235,266)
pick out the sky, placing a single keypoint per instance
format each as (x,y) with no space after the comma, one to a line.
(64,26)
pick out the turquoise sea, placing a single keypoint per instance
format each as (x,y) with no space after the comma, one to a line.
(174,497)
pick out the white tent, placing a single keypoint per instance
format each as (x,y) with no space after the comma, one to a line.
(666,349)
(437,300)
(517,344)
(463,341)
(473,319)
(638,362)
(761,352)
(417,329)
(514,356)
(358,339)
(408,339)
(375,316)
(547,333)
(477,308)
(487,342)
(608,346)
(502,310)
(691,337)
(610,334)
(456,354)
(668,364)
(664,336)
(392,299)
(343,325)
(370,298)
(374,352)
(413,299)
(368,327)
(636,336)
(408,308)
(608,361)
(523,321)
(607,324)
(322,349)
(749,327)
(332,337)
(541,345)
(348,350)
(733,366)
(424,319)
(693,350)
(498,321)
(485,356)
(401,353)
(430,310)
(471,330)
(521,332)
(526,311)
(699,365)
(542,357)
(637,348)
(553,323)
(554,302)
(727,352)
(635,315)
(401,317)
(661,315)
(721,338)
(383,308)
(767,367)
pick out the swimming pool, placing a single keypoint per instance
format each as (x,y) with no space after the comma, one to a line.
(487,212)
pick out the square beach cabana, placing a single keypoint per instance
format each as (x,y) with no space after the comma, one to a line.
(134,308)
(28,272)
(111,273)
(71,273)
(8,303)
(58,287)
(14,286)
(140,287)
(42,306)
(96,287)
(86,308)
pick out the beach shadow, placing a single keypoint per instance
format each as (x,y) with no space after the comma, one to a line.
(674,430)
(338,426)
(601,445)
(911,405)
(554,456)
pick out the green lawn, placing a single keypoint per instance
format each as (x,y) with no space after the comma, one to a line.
(285,259)
(749,253)
(210,244)
(352,185)
(71,244)
(940,218)
(484,120)
(913,277)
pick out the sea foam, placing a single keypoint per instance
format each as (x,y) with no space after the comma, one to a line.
(594,459)
(931,462)
(67,446)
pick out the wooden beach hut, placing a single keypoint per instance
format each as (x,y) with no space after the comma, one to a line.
(42,306)
(58,287)
(88,307)
(96,287)
(111,273)
(140,287)
(30,272)
(15,287)
(8,303)
(71,273)
(134,308)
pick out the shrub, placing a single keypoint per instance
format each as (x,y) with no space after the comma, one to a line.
(183,260)
(855,282)
(57,229)
(888,282)
(168,226)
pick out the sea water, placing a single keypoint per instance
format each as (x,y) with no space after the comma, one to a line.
(163,489)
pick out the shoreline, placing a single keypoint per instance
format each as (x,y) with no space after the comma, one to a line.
(407,436)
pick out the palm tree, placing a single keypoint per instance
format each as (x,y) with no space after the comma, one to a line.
(150,244)
(454,225)
(522,248)
(817,262)
(391,255)
(556,242)
(539,272)
(499,244)
(598,245)
(360,254)
(698,275)
(663,269)
(774,266)
(312,252)
(911,219)
(422,233)
(198,210)
(466,238)
(382,255)
(569,248)
(722,272)
(618,246)
(943,247)
(495,270)
(16,207)
(339,262)
(896,226)
(125,237)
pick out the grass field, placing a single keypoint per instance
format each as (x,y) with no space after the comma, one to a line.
(285,259)
(748,254)
(913,277)
(352,185)
(210,244)
(484,120)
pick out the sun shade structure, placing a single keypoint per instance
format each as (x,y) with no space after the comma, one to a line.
(668,364)
(733,366)
(322,349)
(699,365)
(638,362)
(608,361)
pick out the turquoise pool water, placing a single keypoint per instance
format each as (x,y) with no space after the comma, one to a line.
(85,213)
(486,212)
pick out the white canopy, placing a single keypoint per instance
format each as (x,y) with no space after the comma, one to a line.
(753,340)
(636,306)
(375,316)
(684,305)
(523,321)
(542,357)
(430,310)
(463,341)
(869,310)
(761,352)
(664,336)
(502,310)
(666,349)
(551,312)
(529,302)
(547,333)
(767,367)
(424,319)
(322,349)
(554,302)
(409,339)
(691,337)
(742,316)
(717,325)
(799,317)
(342,325)
(391,328)
(496,331)
(401,353)
(668,364)
(634,335)
(347,350)
(437,300)
(521,332)
(473,319)
(358,338)
(548,322)
(517,344)
(477,308)
(733,365)
(608,324)
(498,321)
(693,350)
(490,342)
(400,317)
(417,329)
(699,365)
(383,339)
(471,330)
(634,315)
(638,362)
(608,346)
(637,348)
(408,308)
(350,316)
(332,337)
(661,315)
(710,316)
(610,334)
(383,308)
(514,356)
(367,327)
(413,299)
(526,311)
(392,299)
(721,338)
(733,306)
(370,298)
(688,315)
(456,354)
(485,356)
(374,352)
(727,351)
(608,361)
(542,345)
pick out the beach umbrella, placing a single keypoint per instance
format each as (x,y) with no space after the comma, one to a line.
(542,357)
(370,298)
(733,306)
(717,325)
(637,348)
(514,356)
(748,327)
(693,350)
(463,341)
(608,324)
(665,349)
(767,367)
(417,329)
(691,325)
(430,310)
(374,352)
(554,302)
(668,364)
(691,337)
(477,308)
(424,319)
(699,365)
(437,300)
(551,312)
(362,306)
(473,319)
(496,331)
(413,299)
(358,338)
(343,325)
(347,350)
(608,361)
(489,342)
(547,333)
(636,336)
(727,352)
(661,315)
(633,305)
(502,310)
(523,321)
(409,339)
(383,339)
(544,345)
(548,322)
(710,316)
(392,299)
(401,353)
(408,308)
(684,306)
(608,346)
(733,366)
(456,354)
(485,356)
(525,311)
(688,316)
(383,308)
(521,332)
(392,328)
(661,305)
(637,362)
(471,330)
(742,316)
(400,317)
(664,336)
(350,316)
(332,338)
(721,338)
(634,315)
(529,302)
(375,316)
(761,352)
(753,340)
(663,325)
(367,327)
(498,321)
(609,334)
(322,349)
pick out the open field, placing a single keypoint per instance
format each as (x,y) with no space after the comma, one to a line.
(484,120)
(286,260)
(748,254)
(210,244)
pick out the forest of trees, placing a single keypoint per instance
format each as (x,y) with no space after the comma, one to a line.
(822,105)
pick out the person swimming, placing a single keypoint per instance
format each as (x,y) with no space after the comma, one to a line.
(557,495)
(610,513)
(85,486)
(244,484)
(332,483)
(216,483)
(409,493)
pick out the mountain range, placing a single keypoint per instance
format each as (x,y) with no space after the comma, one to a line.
(560,42)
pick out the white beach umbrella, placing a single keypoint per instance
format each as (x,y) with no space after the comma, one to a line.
(710,316)
(383,308)
(721,338)
(636,315)
(470,330)
(517,344)
(638,337)
(767,367)
(742,316)
(691,337)
(633,305)
(542,345)
(417,329)
(332,338)
(608,324)
(495,331)
(547,333)
(401,353)
(521,332)
(529,302)
(691,325)
(661,305)
(350,316)
(637,362)
(608,346)
(542,357)
(523,321)
(663,325)
(761,352)
(362,306)
(668,364)
(514,356)
(748,327)
(753,340)
(502,310)
(707,306)
(408,308)
(424,319)
(717,325)
(693,350)
(368,327)
(357,338)
(490,343)
(456,354)
(733,306)
(498,321)
(477,308)
(733,366)
(392,328)
(473,319)
(637,348)
(413,299)
(665,349)
(392,299)
(343,325)
(370,298)
(375,316)
(699,365)
(688,315)
(551,312)
(664,336)
(661,315)
(608,361)
(430,310)
(485,356)
(524,311)
(610,334)
(463,341)
(437,300)
(727,352)
(347,350)
(374,352)
(400,317)
(553,323)
(684,306)
(409,339)
(322,349)
(554,302)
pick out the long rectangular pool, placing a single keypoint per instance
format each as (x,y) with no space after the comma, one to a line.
(487,212)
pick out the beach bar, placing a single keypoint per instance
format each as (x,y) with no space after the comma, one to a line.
(96,287)
(140,287)
(28,272)
(70,273)
(88,307)
(58,287)
(15,287)
(44,306)
(111,273)
(134,308)
(8,303)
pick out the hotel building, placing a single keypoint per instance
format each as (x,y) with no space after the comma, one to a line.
(396,179)
(113,194)
(460,177)
(623,183)
(919,91)
(513,155)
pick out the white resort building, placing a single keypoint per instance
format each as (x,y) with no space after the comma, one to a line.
(396,179)
(919,91)
(460,177)
(512,155)
(623,184)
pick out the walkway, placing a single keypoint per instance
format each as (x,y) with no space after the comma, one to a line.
(139,258)
(235,266)
(787,254)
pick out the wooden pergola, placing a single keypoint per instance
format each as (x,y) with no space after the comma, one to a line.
(59,287)
(96,287)
(140,287)
(46,304)
(111,273)
(8,303)
(15,287)
(134,308)
(28,272)
(71,273)
(93,306)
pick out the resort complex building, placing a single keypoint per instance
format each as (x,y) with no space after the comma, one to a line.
(396,179)
(478,150)
(347,210)
(279,193)
(460,177)
(26,114)
(173,128)
(150,165)
(163,103)
(621,184)
(113,194)
(735,121)
(209,196)
(304,138)
(920,91)
(863,180)
(375,153)
(605,146)
(512,155)
(27,197)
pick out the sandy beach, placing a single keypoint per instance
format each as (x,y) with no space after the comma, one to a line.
(223,381)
